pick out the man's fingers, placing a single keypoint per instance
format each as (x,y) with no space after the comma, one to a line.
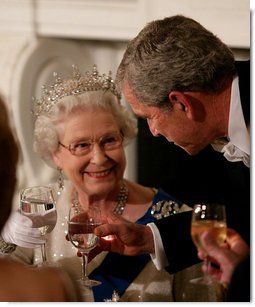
(219,254)
(214,272)
(105,244)
(113,218)
(201,254)
(209,243)
(105,230)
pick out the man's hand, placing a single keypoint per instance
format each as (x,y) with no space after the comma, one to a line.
(226,256)
(121,236)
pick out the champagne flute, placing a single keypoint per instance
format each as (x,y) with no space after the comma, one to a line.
(81,224)
(38,204)
(212,218)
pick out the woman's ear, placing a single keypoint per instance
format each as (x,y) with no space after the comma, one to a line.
(182,102)
(56,158)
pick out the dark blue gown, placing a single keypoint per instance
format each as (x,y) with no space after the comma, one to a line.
(117,272)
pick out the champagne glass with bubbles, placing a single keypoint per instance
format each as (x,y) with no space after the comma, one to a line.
(38,204)
(81,224)
(212,218)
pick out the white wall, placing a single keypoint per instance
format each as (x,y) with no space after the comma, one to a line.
(122,19)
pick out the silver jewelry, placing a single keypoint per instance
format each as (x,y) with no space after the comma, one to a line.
(61,184)
(75,85)
(164,208)
(120,204)
(115,297)
(6,248)
(121,201)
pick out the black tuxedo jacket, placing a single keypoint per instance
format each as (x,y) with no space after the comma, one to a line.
(209,177)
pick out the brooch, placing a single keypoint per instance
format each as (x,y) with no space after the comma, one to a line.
(164,208)
(115,297)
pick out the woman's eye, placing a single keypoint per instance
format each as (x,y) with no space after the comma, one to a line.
(109,140)
(82,145)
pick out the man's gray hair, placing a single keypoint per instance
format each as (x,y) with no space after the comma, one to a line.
(175,53)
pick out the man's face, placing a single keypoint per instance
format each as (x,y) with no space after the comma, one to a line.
(171,123)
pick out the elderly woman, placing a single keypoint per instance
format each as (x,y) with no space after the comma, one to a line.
(81,129)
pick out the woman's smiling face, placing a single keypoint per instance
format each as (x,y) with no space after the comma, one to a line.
(98,171)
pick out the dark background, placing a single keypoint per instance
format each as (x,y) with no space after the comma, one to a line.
(189,178)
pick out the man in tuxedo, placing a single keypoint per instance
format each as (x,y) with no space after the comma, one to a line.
(185,82)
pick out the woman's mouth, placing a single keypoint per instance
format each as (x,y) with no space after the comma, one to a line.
(99,174)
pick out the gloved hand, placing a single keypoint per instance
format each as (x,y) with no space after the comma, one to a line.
(18,230)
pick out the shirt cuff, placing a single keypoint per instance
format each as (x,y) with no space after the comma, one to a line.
(159,257)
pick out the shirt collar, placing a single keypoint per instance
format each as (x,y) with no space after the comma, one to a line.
(237,130)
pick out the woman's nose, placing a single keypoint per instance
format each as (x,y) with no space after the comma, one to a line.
(98,155)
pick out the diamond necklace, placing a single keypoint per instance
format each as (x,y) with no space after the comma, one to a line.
(121,200)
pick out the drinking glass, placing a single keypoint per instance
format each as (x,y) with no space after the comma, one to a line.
(81,223)
(212,218)
(38,204)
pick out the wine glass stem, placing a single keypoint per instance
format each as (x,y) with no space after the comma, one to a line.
(206,273)
(84,266)
(43,250)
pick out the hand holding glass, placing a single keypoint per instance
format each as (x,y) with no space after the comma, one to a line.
(212,218)
(81,224)
(38,204)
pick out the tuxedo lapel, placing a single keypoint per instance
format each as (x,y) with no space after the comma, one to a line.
(237,197)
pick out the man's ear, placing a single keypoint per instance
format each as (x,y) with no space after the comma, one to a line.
(182,102)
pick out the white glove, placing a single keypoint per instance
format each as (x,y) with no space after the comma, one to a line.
(18,230)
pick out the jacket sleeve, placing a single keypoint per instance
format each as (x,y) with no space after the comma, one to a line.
(179,247)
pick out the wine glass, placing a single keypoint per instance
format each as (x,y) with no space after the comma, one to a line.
(38,204)
(81,223)
(212,218)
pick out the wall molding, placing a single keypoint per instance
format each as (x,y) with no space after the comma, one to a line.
(122,19)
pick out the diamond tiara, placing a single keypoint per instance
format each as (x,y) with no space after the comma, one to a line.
(75,85)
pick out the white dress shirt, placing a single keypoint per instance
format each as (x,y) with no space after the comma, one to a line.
(236,149)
